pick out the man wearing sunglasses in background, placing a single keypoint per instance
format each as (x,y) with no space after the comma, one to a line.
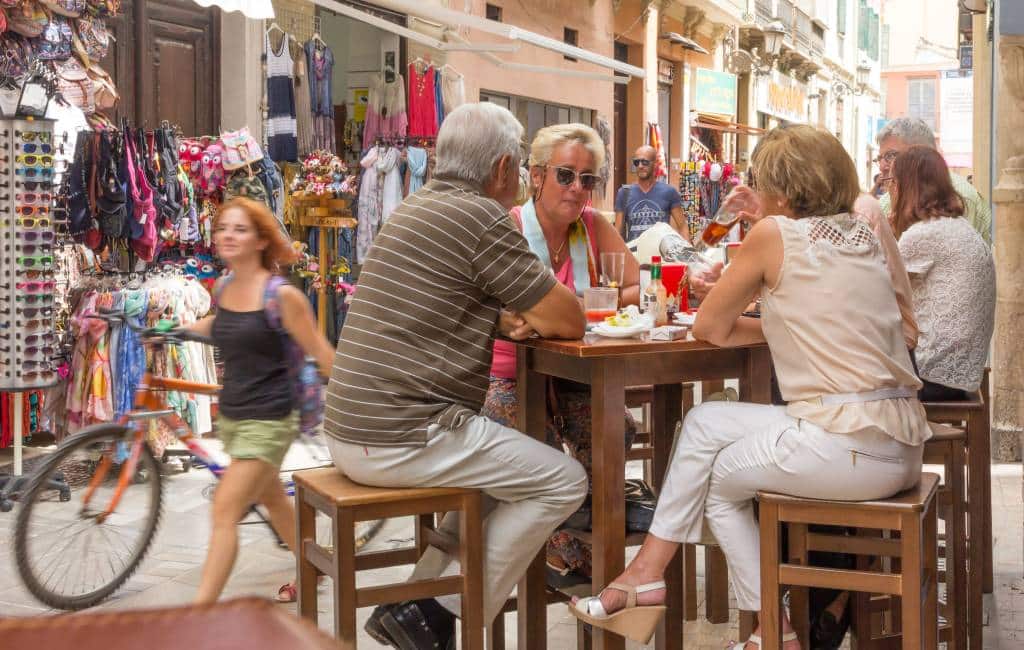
(648,201)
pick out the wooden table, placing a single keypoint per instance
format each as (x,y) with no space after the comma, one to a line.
(608,366)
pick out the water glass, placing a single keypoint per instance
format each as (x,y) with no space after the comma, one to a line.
(613,267)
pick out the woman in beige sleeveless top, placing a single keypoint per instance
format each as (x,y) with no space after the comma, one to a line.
(853,428)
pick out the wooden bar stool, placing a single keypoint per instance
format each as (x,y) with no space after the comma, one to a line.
(912,514)
(332,493)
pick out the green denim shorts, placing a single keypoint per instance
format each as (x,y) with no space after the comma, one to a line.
(267,440)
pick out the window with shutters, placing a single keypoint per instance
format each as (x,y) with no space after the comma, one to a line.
(864,27)
(873,35)
(885,46)
(841,16)
(921,100)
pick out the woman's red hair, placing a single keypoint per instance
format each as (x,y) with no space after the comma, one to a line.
(279,252)
(923,189)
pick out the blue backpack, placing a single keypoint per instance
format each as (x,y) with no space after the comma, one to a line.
(307,387)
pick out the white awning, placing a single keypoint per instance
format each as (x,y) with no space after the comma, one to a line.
(454,19)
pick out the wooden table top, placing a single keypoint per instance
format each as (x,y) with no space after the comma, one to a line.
(593,345)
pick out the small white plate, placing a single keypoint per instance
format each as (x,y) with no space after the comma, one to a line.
(603,329)
(684,318)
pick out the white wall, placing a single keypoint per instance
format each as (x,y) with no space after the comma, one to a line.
(358,53)
(241,83)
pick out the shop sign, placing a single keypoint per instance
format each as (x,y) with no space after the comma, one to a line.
(967,56)
(784,100)
(957,114)
(715,92)
(666,71)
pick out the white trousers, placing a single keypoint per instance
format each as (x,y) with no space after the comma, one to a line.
(728,451)
(530,488)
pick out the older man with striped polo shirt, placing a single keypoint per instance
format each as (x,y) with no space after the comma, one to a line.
(447,272)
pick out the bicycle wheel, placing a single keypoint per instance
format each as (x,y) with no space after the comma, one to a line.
(68,555)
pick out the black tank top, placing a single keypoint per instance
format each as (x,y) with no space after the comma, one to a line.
(256,381)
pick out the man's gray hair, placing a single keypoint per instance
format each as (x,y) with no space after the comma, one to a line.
(910,130)
(473,138)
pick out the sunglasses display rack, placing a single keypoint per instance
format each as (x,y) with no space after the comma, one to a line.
(27,339)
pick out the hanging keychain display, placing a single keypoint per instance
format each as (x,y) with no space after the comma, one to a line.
(27,263)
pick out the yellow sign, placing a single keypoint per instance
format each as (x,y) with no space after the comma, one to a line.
(787,101)
(360,99)
(327,222)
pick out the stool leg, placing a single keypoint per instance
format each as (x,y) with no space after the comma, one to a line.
(799,606)
(690,582)
(771,595)
(956,548)
(930,634)
(306,573)
(912,569)
(981,421)
(978,461)
(471,560)
(716,585)
(345,581)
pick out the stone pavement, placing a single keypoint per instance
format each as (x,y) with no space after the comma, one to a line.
(170,573)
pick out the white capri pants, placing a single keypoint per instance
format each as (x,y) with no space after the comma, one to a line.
(728,451)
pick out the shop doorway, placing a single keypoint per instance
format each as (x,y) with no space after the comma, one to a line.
(621,125)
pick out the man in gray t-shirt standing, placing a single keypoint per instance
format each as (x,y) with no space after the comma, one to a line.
(648,201)
(447,272)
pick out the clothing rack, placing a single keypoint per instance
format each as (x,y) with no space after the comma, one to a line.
(301,26)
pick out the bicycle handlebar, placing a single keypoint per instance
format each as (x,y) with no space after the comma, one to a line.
(151,334)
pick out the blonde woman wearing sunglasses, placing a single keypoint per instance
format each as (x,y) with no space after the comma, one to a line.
(569,238)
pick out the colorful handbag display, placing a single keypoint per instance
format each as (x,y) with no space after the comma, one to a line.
(240,149)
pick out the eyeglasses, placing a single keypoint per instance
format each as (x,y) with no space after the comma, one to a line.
(42,222)
(35,287)
(566,177)
(888,157)
(35,260)
(33,197)
(33,147)
(26,210)
(642,162)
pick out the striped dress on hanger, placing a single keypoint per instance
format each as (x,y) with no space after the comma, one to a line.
(282,141)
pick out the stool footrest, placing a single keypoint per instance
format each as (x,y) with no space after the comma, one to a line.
(412,590)
(318,556)
(854,545)
(841,579)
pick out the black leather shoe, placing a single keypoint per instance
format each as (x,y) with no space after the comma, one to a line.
(410,629)
(375,627)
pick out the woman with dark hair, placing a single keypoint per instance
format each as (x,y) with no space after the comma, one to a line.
(257,420)
(951,274)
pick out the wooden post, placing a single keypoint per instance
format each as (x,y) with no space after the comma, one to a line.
(325,214)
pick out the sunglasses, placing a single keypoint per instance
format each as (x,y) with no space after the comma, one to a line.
(33,298)
(566,177)
(26,210)
(32,172)
(33,160)
(30,136)
(32,312)
(33,148)
(42,222)
(33,197)
(46,349)
(36,374)
(32,274)
(642,162)
(37,338)
(34,185)
(36,363)
(31,249)
(35,287)
(35,260)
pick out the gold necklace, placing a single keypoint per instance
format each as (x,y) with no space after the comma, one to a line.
(558,253)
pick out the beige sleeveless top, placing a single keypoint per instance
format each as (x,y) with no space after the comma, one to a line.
(833,326)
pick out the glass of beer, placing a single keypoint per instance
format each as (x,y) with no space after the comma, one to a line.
(720,226)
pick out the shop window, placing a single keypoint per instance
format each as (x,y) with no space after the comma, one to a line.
(570,37)
(493,12)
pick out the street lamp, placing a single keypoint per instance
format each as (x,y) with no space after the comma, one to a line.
(863,75)
(739,60)
(841,88)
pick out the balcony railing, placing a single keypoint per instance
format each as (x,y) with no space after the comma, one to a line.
(802,31)
(764,10)
(784,12)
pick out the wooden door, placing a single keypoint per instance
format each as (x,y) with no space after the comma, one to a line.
(166,64)
(621,126)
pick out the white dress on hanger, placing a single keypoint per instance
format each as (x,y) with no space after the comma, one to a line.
(390,182)
(369,205)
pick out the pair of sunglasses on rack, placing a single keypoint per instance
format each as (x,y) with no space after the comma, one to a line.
(34,260)
(32,147)
(31,198)
(35,298)
(33,349)
(32,312)
(39,222)
(32,235)
(33,186)
(28,210)
(34,287)
(35,274)
(35,159)
(32,249)
(32,172)
(34,136)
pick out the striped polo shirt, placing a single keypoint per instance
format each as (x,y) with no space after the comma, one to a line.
(416,346)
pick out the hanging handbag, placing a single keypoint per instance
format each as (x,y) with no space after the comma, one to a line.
(111,200)
(240,149)
(104,92)
(76,186)
(54,44)
(145,241)
(74,85)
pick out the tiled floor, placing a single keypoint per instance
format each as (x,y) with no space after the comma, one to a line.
(170,573)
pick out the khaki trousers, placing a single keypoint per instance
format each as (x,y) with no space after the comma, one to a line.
(530,488)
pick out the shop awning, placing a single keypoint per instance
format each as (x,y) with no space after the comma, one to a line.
(717,123)
(454,19)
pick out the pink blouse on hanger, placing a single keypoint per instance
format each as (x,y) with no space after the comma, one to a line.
(422,102)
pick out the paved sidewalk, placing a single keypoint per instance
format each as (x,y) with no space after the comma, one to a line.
(170,573)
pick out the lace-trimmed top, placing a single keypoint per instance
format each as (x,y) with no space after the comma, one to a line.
(833,326)
(954,283)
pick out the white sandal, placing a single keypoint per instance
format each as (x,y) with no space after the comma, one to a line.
(636,622)
(756,640)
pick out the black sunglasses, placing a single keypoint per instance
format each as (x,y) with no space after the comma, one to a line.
(642,162)
(566,177)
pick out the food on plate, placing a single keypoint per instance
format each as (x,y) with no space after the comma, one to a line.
(627,317)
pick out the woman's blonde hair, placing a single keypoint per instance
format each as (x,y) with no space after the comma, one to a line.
(809,168)
(278,254)
(549,137)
